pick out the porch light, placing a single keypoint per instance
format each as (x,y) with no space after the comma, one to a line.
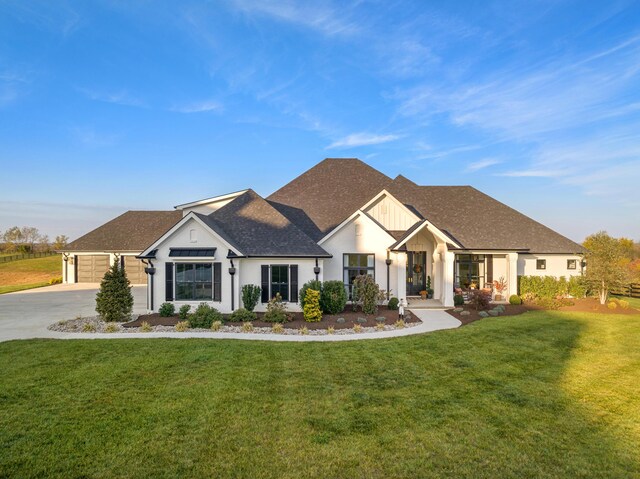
(232,271)
(150,271)
(316,270)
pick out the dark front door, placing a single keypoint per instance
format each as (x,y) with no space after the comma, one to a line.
(416,272)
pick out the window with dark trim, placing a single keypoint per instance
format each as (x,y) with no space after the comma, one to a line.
(194,281)
(541,264)
(356,264)
(280,281)
(572,264)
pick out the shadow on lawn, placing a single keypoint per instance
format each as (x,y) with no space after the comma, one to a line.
(503,397)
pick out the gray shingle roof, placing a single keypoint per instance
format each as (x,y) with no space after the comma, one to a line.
(131,231)
(255,228)
(321,198)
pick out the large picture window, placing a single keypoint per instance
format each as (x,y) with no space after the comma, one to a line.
(355,265)
(280,281)
(194,281)
(470,270)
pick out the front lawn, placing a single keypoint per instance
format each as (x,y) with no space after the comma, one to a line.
(29,273)
(542,394)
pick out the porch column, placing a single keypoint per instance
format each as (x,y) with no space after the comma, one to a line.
(447,276)
(401,273)
(437,275)
(512,274)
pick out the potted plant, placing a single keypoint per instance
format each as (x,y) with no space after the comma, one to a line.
(423,294)
(429,289)
(499,285)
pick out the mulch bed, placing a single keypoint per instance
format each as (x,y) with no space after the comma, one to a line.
(298,321)
(509,310)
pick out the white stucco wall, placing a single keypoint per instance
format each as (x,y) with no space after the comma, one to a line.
(556,265)
(369,238)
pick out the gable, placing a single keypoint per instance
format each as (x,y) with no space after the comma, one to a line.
(390,213)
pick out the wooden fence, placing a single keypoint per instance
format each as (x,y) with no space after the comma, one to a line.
(17,257)
(632,290)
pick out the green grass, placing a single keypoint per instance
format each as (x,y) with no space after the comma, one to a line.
(544,394)
(21,287)
(29,273)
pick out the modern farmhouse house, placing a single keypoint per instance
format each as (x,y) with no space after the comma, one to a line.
(337,220)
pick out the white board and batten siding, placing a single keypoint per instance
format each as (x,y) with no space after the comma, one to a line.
(391,214)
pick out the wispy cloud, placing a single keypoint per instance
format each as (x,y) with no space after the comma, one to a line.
(119,97)
(88,136)
(199,107)
(362,139)
(481,164)
(321,18)
(524,103)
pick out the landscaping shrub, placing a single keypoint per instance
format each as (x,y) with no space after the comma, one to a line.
(393,304)
(182,326)
(623,304)
(314,285)
(277,328)
(216,325)
(250,296)
(88,328)
(111,328)
(552,287)
(57,280)
(399,324)
(304,330)
(145,327)
(114,301)
(577,287)
(333,297)
(311,311)
(458,300)
(247,327)
(331,330)
(479,300)
(365,294)
(276,311)
(243,315)
(612,305)
(167,310)
(515,299)
(552,303)
(357,328)
(183,312)
(204,316)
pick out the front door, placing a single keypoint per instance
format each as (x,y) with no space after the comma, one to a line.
(416,272)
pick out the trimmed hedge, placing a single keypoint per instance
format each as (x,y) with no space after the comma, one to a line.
(551,287)
(333,297)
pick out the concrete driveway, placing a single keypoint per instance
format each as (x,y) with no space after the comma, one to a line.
(26,314)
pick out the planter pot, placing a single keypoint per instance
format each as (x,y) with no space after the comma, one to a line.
(498,297)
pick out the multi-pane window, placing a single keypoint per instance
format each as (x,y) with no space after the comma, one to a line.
(470,270)
(356,265)
(572,264)
(541,264)
(280,281)
(194,281)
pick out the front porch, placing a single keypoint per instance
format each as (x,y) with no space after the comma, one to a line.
(416,302)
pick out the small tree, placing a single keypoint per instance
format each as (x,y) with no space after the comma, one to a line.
(250,296)
(114,301)
(313,284)
(333,297)
(607,265)
(365,294)
(60,242)
(311,310)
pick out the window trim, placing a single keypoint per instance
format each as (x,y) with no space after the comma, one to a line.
(347,268)
(575,264)
(175,282)
(541,264)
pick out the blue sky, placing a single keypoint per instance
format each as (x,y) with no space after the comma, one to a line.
(111,105)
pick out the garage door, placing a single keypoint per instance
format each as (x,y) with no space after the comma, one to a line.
(91,268)
(135,270)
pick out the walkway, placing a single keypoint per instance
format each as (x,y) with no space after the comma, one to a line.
(26,315)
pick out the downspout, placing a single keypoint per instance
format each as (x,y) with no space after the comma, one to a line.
(65,258)
(150,270)
(388,263)
(232,272)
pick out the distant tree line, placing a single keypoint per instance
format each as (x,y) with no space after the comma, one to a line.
(29,240)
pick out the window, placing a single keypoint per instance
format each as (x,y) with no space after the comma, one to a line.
(572,264)
(541,264)
(356,265)
(280,282)
(194,281)
(470,271)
